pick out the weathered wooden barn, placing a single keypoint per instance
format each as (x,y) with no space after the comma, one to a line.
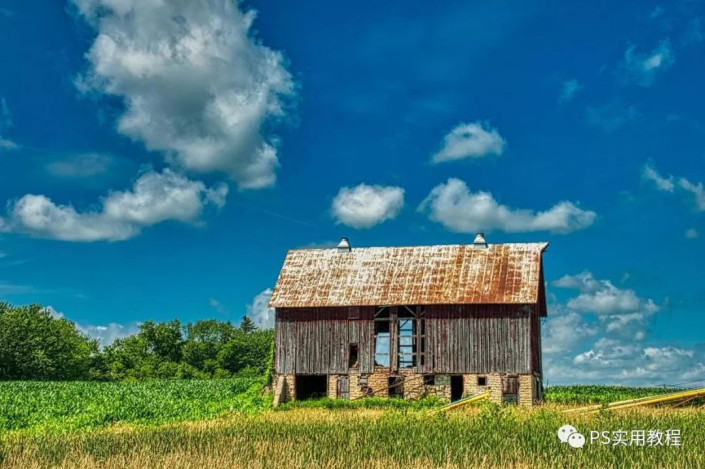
(449,320)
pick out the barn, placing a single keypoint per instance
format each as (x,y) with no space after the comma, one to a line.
(449,320)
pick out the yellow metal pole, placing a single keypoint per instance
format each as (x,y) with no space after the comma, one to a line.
(658,399)
(462,402)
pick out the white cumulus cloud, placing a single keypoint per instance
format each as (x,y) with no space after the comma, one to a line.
(195,82)
(260,312)
(365,206)
(601,336)
(459,210)
(473,140)
(154,198)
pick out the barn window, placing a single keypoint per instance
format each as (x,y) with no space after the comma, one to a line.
(354,312)
(411,331)
(352,356)
(482,380)
(382,336)
(429,380)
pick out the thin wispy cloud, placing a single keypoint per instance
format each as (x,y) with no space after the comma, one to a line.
(694,33)
(569,89)
(696,191)
(81,166)
(691,233)
(5,125)
(611,116)
(641,68)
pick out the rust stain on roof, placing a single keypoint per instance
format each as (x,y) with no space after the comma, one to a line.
(450,274)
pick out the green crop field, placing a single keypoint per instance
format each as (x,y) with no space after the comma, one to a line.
(229,423)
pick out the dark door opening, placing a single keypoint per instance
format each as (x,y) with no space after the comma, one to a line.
(311,386)
(396,386)
(456,387)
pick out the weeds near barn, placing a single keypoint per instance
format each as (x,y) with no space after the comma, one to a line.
(308,435)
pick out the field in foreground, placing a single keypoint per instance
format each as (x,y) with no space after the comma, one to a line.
(488,436)
(230,423)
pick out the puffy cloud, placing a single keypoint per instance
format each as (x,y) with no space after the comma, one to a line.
(195,82)
(600,336)
(641,68)
(260,312)
(691,233)
(568,90)
(109,333)
(365,206)
(85,165)
(474,140)
(459,210)
(620,311)
(106,334)
(670,183)
(563,332)
(154,198)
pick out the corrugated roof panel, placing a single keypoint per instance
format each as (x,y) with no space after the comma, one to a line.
(452,274)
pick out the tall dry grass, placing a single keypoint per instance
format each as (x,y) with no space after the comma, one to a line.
(488,436)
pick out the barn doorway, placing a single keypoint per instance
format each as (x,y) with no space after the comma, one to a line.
(510,389)
(396,386)
(456,387)
(311,386)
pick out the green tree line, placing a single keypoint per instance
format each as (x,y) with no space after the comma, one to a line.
(36,345)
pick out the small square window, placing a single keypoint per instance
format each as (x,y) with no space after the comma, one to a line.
(482,380)
(429,380)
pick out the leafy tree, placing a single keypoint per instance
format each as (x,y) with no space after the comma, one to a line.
(36,345)
(163,338)
(246,350)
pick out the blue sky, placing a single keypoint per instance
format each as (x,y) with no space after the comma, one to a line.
(158,158)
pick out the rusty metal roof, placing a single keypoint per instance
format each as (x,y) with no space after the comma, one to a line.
(451,274)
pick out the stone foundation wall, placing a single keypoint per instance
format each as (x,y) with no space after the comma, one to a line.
(527,389)
(415,388)
(332,386)
(289,387)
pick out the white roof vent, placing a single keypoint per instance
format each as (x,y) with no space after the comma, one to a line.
(480,242)
(344,245)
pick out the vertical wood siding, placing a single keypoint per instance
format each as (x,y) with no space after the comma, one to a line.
(459,339)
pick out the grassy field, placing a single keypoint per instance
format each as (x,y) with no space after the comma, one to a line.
(63,406)
(229,423)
